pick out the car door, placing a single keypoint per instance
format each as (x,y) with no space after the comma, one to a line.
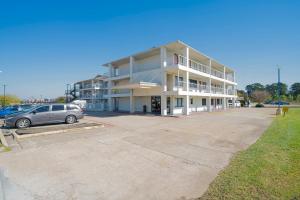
(58,113)
(40,115)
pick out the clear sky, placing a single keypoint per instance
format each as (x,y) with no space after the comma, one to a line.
(46,44)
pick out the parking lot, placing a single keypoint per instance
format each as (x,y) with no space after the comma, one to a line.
(131,156)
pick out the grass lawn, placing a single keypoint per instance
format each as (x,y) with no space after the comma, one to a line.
(269,169)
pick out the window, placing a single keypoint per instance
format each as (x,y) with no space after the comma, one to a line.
(218,101)
(42,109)
(178,81)
(58,107)
(203,102)
(72,107)
(191,100)
(212,102)
(179,102)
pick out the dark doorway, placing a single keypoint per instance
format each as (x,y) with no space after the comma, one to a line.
(155,104)
(168,105)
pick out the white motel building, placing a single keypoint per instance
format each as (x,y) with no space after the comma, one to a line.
(172,79)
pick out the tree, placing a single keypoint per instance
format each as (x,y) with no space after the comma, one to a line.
(260,96)
(273,89)
(9,100)
(298,98)
(60,100)
(243,94)
(253,87)
(295,89)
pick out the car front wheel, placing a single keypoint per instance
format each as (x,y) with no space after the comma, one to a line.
(71,119)
(23,123)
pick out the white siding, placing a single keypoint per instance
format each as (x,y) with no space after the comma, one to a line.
(124,104)
(140,102)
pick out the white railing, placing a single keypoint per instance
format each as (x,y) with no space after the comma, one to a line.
(199,67)
(229,77)
(198,88)
(181,60)
(217,90)
(217,73)
(230,92)
(120,91)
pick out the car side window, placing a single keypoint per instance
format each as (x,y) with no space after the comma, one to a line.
(72,107)
(42,109)
(58,107)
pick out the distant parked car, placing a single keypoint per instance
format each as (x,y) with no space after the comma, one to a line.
(281,103)
(45,114)
(8,110)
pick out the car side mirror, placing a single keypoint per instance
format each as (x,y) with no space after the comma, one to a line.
(33,112)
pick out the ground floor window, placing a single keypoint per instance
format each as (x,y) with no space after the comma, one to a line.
(218,101)
(179,102)
(191,100)
(203,102)
(212,102)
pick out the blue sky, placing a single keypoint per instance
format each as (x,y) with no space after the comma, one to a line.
(46,44)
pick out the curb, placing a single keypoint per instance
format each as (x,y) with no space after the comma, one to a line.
(3,140)
(53,132)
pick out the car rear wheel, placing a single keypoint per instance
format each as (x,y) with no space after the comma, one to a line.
(23,123)
(71,119)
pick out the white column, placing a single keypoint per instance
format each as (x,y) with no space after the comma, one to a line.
(163,64)
(131,63)
(109,100)
(187,80)
(209,88)
(131,99)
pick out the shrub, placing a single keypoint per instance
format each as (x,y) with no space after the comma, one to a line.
(259,105)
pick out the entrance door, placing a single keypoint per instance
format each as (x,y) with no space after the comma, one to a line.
(155,104)
(168,105)
(116,104)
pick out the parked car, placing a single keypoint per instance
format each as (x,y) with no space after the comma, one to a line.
(45,114)
(281,103)
(8,110)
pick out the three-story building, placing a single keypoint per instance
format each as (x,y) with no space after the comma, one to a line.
(168,80)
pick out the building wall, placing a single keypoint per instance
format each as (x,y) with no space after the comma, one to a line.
(146,64)
(197,104)
(139,103)
(124,104)
(147,92)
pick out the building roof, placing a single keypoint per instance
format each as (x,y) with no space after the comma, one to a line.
(155,49)
(97,77)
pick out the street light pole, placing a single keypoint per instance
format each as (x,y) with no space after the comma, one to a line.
(4,95)
(278,111)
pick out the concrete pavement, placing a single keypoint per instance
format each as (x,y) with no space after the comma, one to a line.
(132,157)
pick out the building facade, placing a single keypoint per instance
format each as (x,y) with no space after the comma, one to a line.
(169,80)
(93,92)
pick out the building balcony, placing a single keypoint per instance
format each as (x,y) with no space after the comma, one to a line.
(179,60)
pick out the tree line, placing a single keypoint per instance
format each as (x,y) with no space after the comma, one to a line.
(272,92)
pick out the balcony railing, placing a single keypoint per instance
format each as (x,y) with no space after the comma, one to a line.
(230,92)
(229,78)
(179,59)
(120,91)
(198,88)
(199,67)
(217,73)
(217,90)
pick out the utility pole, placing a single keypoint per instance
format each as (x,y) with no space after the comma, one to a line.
(67,93)
(278,111)
(4,95)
